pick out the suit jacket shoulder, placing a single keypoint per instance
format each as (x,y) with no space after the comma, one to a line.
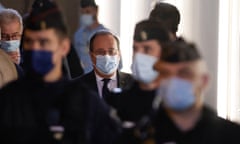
(125,80)
(87,80)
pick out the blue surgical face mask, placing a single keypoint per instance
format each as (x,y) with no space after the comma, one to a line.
(38,62)
(10,46)
(86,20)
(142,68)
(107,64)
(177,94)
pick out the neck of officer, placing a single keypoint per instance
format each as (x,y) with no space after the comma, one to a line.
(187,119)
(150,86)
(54,75)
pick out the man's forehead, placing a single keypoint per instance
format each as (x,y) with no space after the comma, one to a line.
(106,41)
(105,38)
(175,66)
(88,8)
(11,25)
(39,33)
(12,21)
(147,42)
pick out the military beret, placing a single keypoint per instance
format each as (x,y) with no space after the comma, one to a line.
(45,14)
(180,51)
(149,30)
(167,14)
(86,3)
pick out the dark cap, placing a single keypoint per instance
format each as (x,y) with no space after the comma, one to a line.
(167,14)
(87,3)
(149,30)
(45,14)
(180,51)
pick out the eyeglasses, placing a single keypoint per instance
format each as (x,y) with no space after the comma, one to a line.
(14,36)
(110,52)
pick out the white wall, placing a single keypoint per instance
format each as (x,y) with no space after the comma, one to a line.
(109,14)
(199,24)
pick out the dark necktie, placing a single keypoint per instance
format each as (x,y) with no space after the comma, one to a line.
(105,90)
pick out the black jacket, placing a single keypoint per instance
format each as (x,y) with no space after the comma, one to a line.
(134,103)
(29,108)
(210,129)
(97,126)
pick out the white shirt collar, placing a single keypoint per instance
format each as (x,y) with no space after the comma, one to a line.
(99,78)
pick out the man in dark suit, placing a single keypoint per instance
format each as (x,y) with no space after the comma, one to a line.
(105,56)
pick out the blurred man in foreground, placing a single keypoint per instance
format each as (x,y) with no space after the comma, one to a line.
(180,115)
(183,117)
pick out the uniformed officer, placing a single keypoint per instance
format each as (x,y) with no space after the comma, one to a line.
(183,118)
(30,107)
(44,107)
(134,103)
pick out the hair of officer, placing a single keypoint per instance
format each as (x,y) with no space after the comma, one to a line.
(151,29)
(180,51)
(88,3)
(101,33)
(167,14)
(10,15)
(45,14)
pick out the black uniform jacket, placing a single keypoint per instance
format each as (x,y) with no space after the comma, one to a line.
(210,129)
(133,103)
(29,108)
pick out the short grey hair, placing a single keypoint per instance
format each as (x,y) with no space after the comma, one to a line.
(8,15)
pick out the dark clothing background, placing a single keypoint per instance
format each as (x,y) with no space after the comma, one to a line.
(133,103)
(99,127)
(210,129)
(28,107)
(20,71)
(24,109)
(74,65)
